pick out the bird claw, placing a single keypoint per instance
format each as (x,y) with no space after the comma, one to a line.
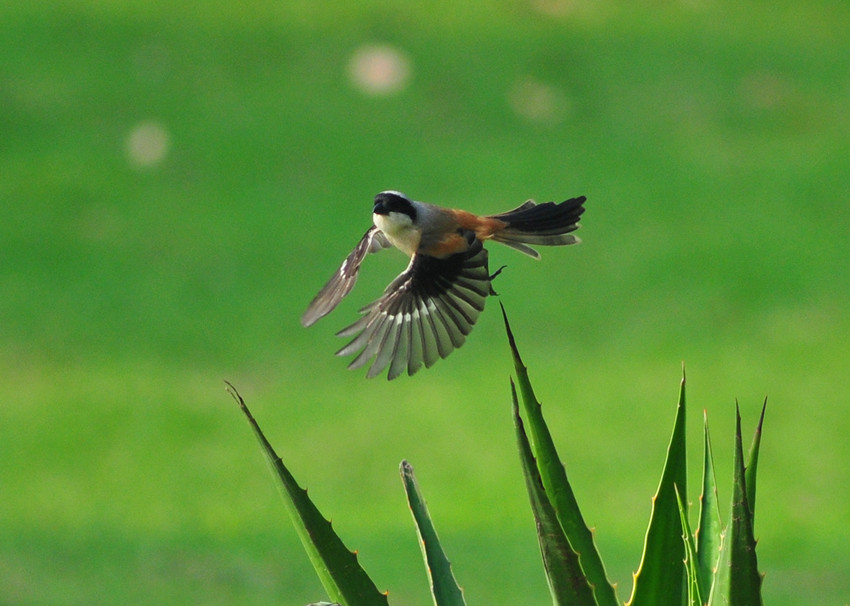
(492,277)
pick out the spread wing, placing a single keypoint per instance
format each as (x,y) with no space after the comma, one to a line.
(424,314)
(344,279)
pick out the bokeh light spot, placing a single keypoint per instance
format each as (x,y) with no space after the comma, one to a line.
(539,102)
(147,144)
(553,8)
(379,70)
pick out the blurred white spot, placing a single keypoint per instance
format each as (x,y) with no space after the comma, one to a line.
(147,144)
(553,8)
(379,70)
(765,91)
(538,102)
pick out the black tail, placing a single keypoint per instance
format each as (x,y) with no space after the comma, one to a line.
(546,224)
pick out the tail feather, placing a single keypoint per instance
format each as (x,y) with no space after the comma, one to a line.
(547,224)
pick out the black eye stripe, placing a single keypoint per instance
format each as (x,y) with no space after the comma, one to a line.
(394,202)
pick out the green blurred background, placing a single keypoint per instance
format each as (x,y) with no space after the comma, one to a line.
(178,179)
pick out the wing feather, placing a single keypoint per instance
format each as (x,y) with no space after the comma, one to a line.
(423,315)
(439,332)
(344,279)
(386,349)
(417,339)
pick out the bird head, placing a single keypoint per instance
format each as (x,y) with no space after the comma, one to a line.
(391,203)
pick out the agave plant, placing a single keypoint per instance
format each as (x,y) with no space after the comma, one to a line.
(714,565)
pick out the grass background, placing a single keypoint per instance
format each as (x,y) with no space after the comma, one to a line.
(711,138)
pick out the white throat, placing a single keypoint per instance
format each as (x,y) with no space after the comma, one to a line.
(399,230)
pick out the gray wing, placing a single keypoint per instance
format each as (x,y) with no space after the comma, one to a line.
(344,279)
(423,315)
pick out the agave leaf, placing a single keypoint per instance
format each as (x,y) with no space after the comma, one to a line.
(695,592)
(444,587)
(709,534)
(339,571)
(744,577)
(752,464)
(659,579)
(560,493)
(719,593)
(738,580)
(567,583)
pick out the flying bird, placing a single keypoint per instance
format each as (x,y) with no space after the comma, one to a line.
(430,308)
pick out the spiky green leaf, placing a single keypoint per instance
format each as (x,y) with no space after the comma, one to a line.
(444,587)
(660,578)
(752,463)
(692,581)
(567,582)
(744,577)
(337,567)
(558,489)
(709,534)
(738,582)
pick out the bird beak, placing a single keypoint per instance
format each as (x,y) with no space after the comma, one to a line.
(379,209)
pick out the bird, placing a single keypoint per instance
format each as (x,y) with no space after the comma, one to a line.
(429,309)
